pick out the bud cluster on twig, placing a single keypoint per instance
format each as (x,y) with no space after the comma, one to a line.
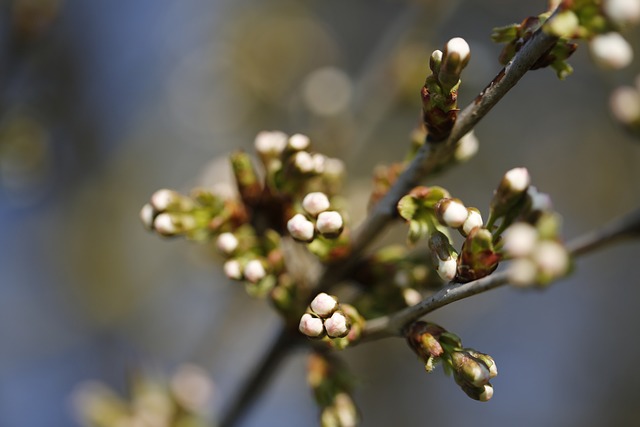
(471,369)
(326,318)
(440,91)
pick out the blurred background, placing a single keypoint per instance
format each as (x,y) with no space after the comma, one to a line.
(103,102)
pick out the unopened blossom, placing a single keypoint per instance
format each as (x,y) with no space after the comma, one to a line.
(304,162)
(625,104)
(324,305)
(336,325)
(233,269)
(622,11)
(611,51)
(451,212)
(519,239)
(299,142)
(301,228)
(311,326)
(227,242)
(551,258)
(166,224)
(315,203)
(329,223)
(447,269)
(467,147)
(516,180)
(147,213)
(254,271)
(474,219)
(270,143)
(164,198)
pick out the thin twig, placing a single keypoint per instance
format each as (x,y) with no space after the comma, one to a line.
(429,158)
(393,325)
(255,383)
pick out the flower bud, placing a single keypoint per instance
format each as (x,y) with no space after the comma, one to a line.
(515,180)
(233,269)
(434,62)
(510,192)
(147,214)
(625,105)
(474,219)
(540,202)
(337,325)
(451,212)
(469,369)
(315,203)
(330,223)
(552,259)
(165,199)
(622,11)
(466,147)
(319,161)
(227,243)
(345,410)
(519,239)
(611,51)
(311,325)
(324,305)
(447,269)
(486,359)
(167,224)
(254,271)
(304,162)
(299,142)
(270,143)
(454,58)
(522,272)
(301,228)
(563,24)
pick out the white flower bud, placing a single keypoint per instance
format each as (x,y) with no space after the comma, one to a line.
(301,228)
(333,167)
(467,147)
(522,272)
(163,199)
(447,269)
(303,161)
(254,271)
(517,179)
(345,410)
(192,387)
(451,212)
(319,161)
(270,143)
(411,296)
(336,325)
(552,258)
(459,46)
(315,203)
(474,219)
(329,223)
(623,11)
(625,104)
(227,243)
(147,213)
(519,239)
(233,269)
(611,51)
(311,326)
(323,304)
(166,224)
(299,142)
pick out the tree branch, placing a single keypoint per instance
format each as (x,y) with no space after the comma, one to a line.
(393,325)
(429,158)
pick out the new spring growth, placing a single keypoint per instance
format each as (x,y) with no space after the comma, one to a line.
(440,91)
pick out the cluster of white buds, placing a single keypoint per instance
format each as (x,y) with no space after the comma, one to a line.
(252,270)
(453,213)
(168,213)
(318,219)
(536,260)
(324,317)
